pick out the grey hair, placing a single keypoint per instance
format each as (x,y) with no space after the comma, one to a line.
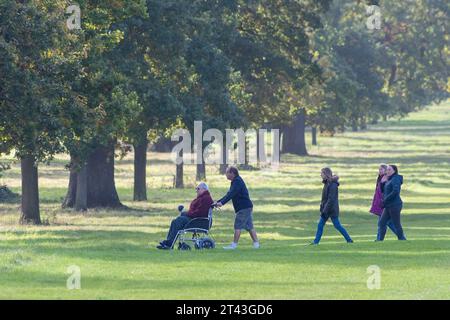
(203,185)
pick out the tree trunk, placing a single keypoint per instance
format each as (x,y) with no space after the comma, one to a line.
(314,136)
(363,123)
(247,152)
(81,191)
(140,172)
(69,200)
(260,148)
(393,75)
(101,186)
(30,191)
(294,136)
(179,183)
(201,168)
(354,126)
(201,172)
(223,166)
(97,187)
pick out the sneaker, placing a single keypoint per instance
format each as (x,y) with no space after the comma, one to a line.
(165,243)
(350,241)
(163,247)
(313,244)
(232,246)
(256,245)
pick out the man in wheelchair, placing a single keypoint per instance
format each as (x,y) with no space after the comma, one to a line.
(198,208)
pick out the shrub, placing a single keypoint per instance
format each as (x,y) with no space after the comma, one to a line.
(6,195)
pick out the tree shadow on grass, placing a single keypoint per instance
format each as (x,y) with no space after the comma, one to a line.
(174,282)
(132,246)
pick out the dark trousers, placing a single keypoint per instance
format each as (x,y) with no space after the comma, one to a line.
(390,225)
(177,224)
(392,214)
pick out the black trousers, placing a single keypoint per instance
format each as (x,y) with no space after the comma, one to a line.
(177,224)
(392,214)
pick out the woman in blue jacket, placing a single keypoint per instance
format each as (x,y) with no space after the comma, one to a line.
(392,204)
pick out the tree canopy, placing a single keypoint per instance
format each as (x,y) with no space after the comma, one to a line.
(137,69)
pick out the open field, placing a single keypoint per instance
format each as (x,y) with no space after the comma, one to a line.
(118,259)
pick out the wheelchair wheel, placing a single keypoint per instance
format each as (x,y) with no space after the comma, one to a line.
(208,244)
(184,246)
(204,244)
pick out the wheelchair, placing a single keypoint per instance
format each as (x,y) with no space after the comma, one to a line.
(196,231)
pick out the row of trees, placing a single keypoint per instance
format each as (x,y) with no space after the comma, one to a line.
(372,74)
(139,69)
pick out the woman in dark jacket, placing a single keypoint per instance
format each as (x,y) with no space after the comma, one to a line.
(377,203)
(329,207)
(392,204)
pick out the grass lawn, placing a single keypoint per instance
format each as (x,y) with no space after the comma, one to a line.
(116,252)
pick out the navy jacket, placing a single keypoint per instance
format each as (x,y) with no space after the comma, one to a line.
(329,206)
(238,193)
(391,192)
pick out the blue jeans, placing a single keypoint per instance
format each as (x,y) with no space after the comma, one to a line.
(336,223)
(390,224)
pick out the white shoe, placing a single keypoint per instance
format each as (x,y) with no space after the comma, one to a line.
(256,245)
(232,246)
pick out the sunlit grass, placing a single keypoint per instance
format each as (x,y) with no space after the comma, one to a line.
(116,249)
